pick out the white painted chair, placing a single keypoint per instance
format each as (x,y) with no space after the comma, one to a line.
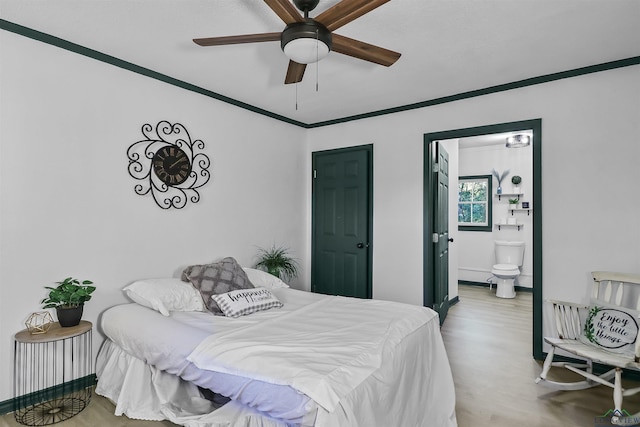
(605,332)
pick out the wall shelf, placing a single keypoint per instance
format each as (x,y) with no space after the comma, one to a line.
(517,195)
(509,225)
(528,210)
(512,210)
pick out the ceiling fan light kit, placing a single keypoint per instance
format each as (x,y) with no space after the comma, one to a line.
(306,40)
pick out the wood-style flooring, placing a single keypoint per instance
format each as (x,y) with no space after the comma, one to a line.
(488,341)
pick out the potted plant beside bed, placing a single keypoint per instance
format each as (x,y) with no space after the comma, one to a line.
(278,262)
(68,299)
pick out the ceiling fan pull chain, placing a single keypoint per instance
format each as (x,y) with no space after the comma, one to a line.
(296,96)
(317,57)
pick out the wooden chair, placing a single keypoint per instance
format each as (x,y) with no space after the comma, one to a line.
(605,332)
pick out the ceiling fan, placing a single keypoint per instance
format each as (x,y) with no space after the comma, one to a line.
(306,40)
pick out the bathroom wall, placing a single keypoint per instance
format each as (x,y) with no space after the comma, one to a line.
(475,248)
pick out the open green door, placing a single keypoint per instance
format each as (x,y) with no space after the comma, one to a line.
(436,229)
(440,236)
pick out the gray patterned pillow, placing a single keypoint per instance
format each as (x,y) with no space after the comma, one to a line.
(217,278)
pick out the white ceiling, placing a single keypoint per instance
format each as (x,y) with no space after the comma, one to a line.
(448,46)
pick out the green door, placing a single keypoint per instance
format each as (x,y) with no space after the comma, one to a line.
(441,234)
(341,222)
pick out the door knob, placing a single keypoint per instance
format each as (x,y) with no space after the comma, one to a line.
(451,239)
(360,245)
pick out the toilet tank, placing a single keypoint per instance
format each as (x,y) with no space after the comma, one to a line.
(509,252)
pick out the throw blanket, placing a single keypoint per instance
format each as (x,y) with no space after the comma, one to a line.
(324,349)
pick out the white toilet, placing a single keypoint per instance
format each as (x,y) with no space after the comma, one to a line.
(509,257)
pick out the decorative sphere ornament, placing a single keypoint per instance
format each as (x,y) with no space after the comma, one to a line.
(39,322)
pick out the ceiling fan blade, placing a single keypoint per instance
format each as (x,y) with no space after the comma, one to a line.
(365,51)
(295,72)
(246,38)
(346,11)
(285,10)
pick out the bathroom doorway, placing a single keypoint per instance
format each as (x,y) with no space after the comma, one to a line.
(472,139)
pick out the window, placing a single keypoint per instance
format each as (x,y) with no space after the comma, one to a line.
(474,203)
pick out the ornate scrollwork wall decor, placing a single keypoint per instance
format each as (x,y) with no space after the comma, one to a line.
(170,165)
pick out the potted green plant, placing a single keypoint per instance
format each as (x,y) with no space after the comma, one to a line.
(68,299)
(513,203)
(277,261)
(516,180)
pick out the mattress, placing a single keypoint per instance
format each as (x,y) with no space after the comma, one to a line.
(397,377)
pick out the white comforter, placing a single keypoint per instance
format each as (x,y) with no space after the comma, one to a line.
(365,363)
(324,349)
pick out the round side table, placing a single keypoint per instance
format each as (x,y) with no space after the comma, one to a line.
(52,374)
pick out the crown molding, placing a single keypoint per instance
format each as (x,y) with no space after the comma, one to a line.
(112,60)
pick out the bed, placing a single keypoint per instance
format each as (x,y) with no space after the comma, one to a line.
(301,359)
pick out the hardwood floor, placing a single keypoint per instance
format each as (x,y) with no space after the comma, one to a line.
(98,413)
(488,341)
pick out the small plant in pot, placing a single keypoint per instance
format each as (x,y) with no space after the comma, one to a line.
(513,203)
(516,180)
(68,299)
(278,262)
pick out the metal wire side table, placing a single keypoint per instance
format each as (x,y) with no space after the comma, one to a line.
(51,372)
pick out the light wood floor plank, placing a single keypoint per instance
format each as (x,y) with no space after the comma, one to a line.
(488,341)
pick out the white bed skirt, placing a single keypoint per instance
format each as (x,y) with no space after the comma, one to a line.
(141,391)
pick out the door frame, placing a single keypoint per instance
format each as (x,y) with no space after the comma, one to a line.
(429,199)
(368,148)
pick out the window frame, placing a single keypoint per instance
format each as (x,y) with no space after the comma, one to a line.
(481,227)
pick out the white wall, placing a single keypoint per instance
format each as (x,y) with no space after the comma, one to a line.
(476,249)
(590,155)
(67,203)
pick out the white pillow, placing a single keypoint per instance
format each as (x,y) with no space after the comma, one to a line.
(165,295)
(246,301)
(611,328)
(262,279)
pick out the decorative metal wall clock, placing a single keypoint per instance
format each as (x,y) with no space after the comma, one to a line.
(170,165)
